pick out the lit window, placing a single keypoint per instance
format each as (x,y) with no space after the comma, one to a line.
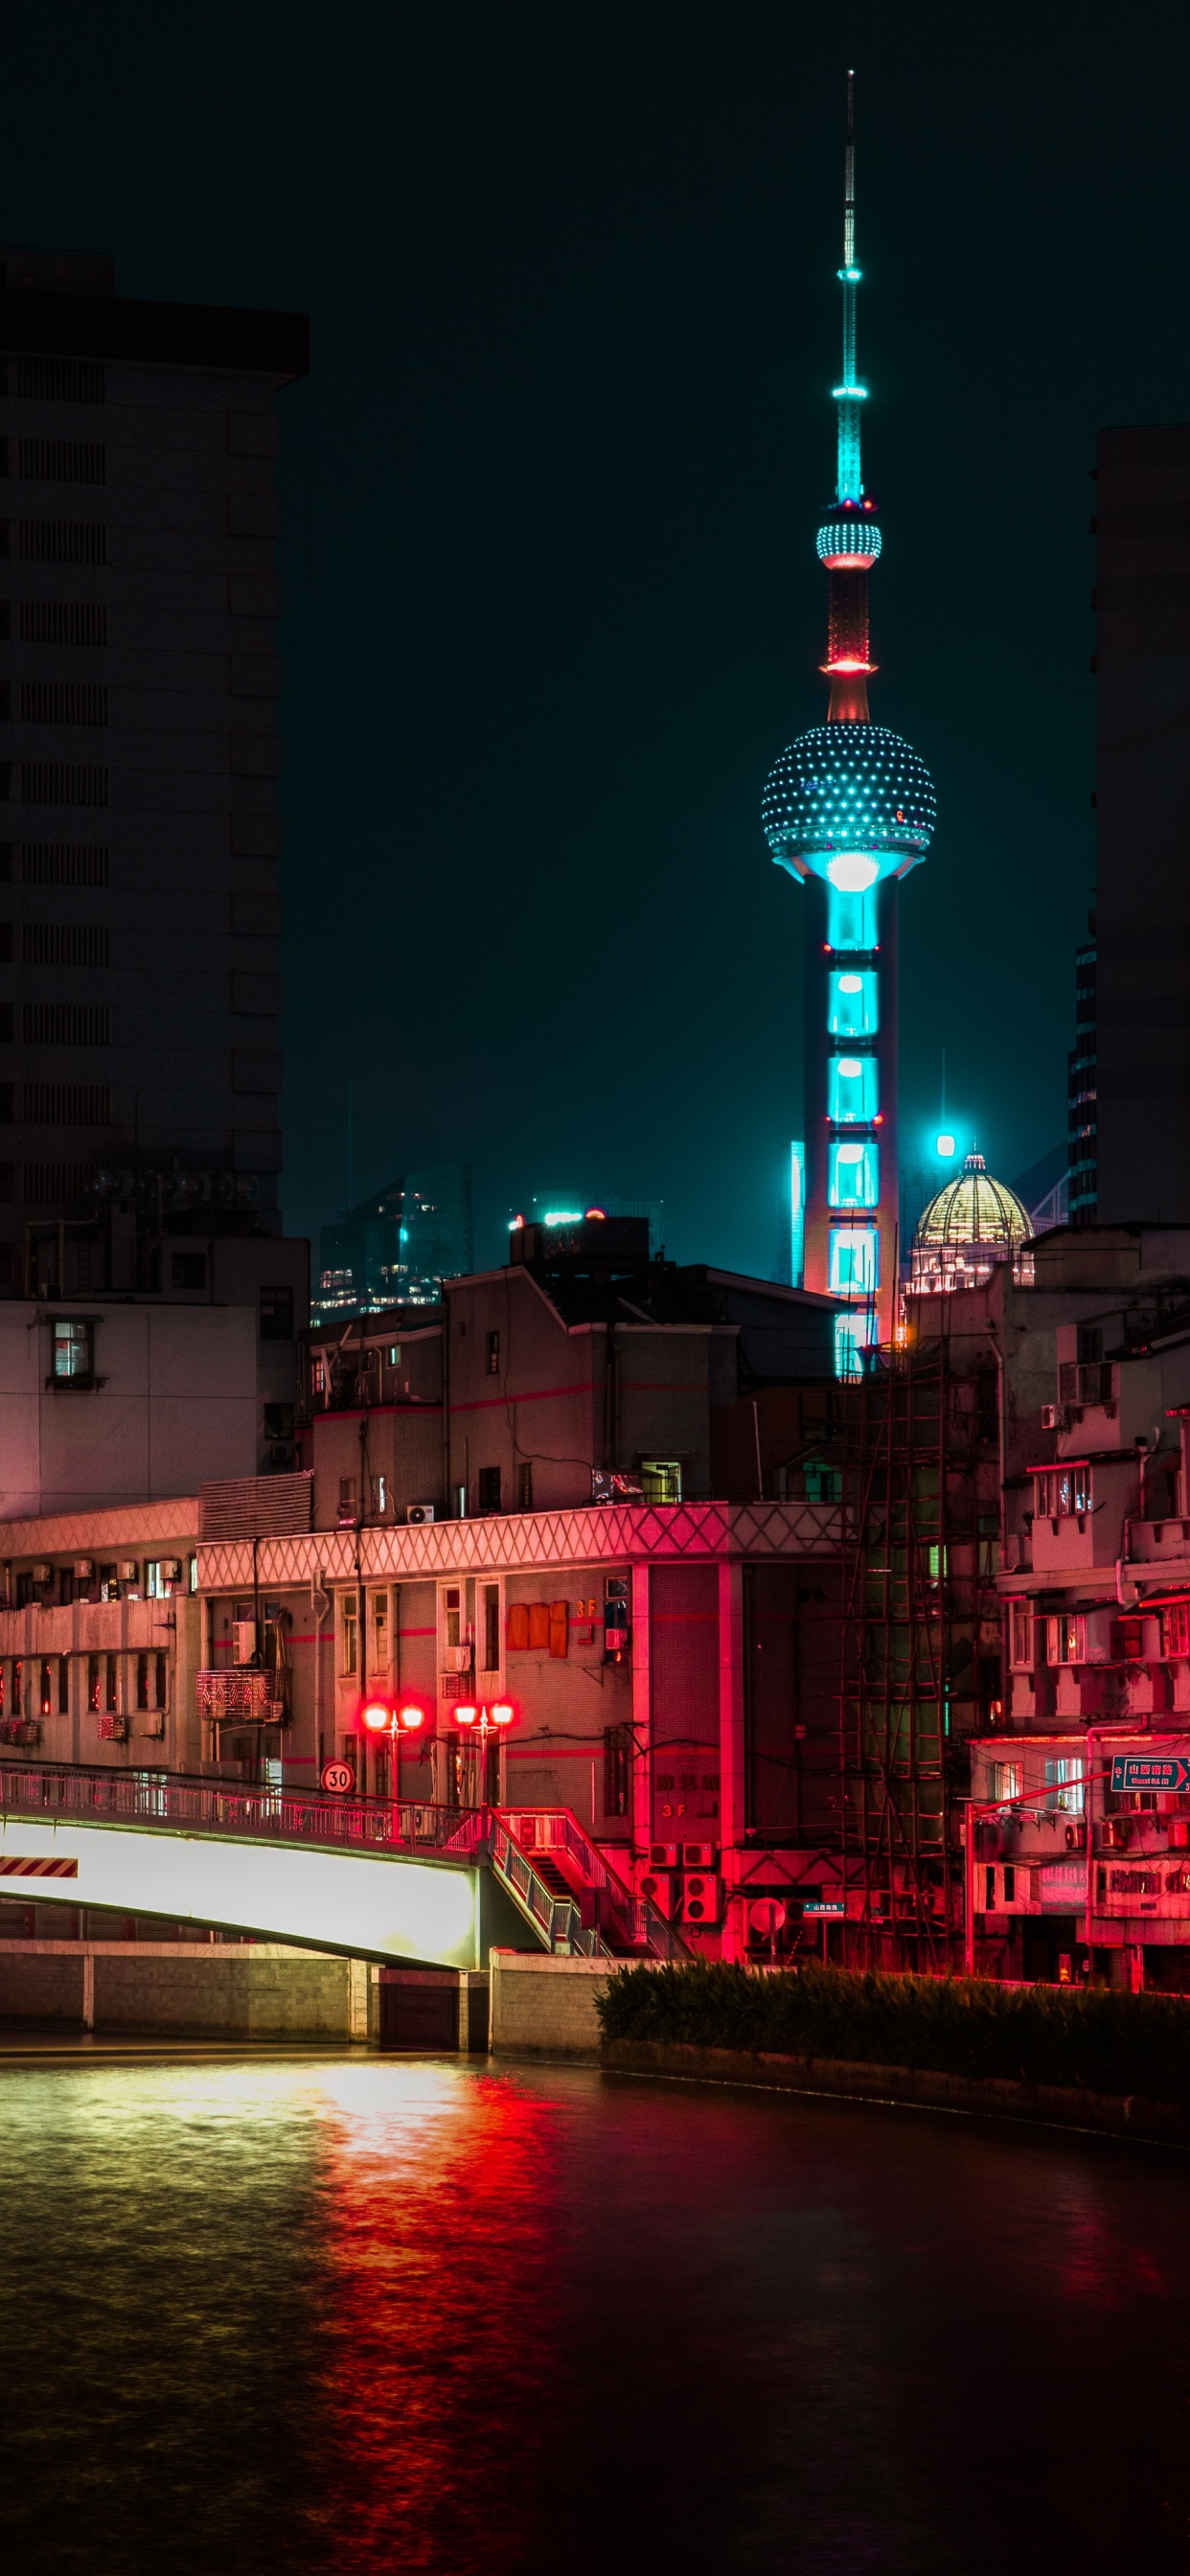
(852,1088)
(73,1346)
(853,1005)
(1005,1781)
(1021,1636)
(1064,1781)
(851,919)
(661,1480)
(853,1176)
(854,1260)
(1066,1639)
(850,1340)
(1063,1493)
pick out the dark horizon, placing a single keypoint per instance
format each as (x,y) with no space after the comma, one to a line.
(550,601)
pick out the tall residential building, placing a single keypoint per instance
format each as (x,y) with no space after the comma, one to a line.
(397,1247)
(1139,1143)
(139,1071)
(849,809)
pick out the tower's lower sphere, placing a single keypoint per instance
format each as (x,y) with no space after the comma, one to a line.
(848,787)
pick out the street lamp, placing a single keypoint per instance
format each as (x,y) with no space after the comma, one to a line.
(386,1717)
(486,1723)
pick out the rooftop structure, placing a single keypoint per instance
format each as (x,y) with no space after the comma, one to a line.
(967,1228)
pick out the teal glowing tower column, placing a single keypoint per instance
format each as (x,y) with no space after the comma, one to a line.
(848,809)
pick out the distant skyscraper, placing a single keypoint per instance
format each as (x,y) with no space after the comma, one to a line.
(849,809)
(139,1072)
(397,1246)
(1131,1135)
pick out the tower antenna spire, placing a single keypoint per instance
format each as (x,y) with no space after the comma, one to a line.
(849,394)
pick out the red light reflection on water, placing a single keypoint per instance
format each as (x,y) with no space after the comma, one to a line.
(437,2195)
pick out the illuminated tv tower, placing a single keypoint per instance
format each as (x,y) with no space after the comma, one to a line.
(849,809)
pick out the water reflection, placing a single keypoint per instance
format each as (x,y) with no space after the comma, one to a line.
(380,2315)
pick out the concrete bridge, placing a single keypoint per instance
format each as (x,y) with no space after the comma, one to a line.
(364,1878)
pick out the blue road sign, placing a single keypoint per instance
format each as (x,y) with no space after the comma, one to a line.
(825,1905)
(1150,1771)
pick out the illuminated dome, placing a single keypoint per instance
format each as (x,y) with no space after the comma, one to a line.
(845,788)
(971,1225)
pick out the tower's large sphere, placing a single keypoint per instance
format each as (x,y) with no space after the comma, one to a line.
(845,788)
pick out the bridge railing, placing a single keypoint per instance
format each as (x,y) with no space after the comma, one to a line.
(175,1799)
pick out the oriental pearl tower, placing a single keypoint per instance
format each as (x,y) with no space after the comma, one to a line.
(848,809)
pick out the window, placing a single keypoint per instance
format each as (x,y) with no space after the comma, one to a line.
(278,1422)
(81,541)
(1064,1782)
(60,621)
(380,1631)
(489,1489)
(617,1748)
(72,1347)
(853,1008)
(59,460)
(64,943)
(63,1686)
(69,702)
(46,1700)
(163,1577)
(661,1480)
(67,1104)
(1005,1781)
(320,1377)
(524,1485)
(379,1490)
(1090,1342)
(1063,1492)
(852,1088)
(1020,1636)
(142,1681)
(94,1682)
(110,1586)
(62,863)
(350,1632)
(853,1175)
(854,1260)
(276,1314)
(1066,1639)
(59,782)
(347,1498)
(491,1627)
(1175,1629)
(452,1611)
(60,379)
(493,1355)
(66,1024)
(189,1270)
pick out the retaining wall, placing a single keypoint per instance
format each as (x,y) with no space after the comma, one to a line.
(256,1990)
(545,2007)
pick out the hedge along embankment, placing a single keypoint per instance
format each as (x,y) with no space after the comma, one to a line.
(1096,2041)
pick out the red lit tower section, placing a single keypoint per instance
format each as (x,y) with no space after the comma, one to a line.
(848,809)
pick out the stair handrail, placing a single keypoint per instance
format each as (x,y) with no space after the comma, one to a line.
(558,1917)
(643,1922)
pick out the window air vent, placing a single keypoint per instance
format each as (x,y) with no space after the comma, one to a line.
(64,943)
(67,702)
(60,621)
(66,1024)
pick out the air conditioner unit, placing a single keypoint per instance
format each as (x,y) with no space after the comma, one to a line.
(660,1890)
(113,1730)
(698,1855)
(43,1573)
(1051,1417)
(456,1659)
(663,1855)
(171,1568)
(700,1897)
(419,1513)
(243,1640)
(84,1567)
(128,1569)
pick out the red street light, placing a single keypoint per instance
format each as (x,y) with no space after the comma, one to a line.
(381,1717)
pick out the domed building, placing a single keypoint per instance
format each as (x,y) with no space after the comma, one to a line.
(971,1225)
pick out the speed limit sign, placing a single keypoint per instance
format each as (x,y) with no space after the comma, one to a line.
(338,1775)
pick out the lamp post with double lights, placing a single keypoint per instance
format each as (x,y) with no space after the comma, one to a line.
(486,1725)
(380,1716)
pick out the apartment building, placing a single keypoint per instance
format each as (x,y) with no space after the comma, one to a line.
(139,1072)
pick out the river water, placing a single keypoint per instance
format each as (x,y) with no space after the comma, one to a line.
(382,2314)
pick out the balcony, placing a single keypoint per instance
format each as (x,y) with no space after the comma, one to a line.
(242,1696)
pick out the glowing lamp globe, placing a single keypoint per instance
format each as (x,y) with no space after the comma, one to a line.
(851,803)
(376,1715)
(411,1716)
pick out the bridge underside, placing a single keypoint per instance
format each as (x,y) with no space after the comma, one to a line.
(370,1906)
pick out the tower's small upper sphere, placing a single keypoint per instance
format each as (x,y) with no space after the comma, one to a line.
(846,789)
(849,541)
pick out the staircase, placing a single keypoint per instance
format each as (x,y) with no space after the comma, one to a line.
(566,1890)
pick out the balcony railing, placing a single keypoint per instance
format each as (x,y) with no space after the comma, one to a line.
(177,1801)
(242,1695)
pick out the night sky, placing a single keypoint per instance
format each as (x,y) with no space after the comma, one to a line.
(551,604)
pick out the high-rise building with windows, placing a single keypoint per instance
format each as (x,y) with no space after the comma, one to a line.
(848,810)
(397,1247)
(139,1071)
